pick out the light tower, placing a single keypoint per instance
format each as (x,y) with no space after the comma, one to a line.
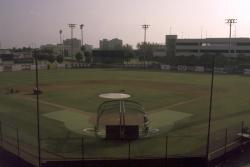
(230,22)
(60,33)
(81,27)
(145,27)
(72,26)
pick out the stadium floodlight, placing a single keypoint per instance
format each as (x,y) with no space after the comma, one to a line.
(81,27)
(72,26)
(145,27)
(230,22)
(60,33)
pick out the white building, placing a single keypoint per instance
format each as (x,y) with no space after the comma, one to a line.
(112,44)
(197,47)
(88,47)
(159,50)
(56,49)
(71,47)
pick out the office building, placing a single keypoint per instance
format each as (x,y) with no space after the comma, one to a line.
(198,47)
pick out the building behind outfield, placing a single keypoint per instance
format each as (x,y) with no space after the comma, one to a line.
(198,47)
(71,45)
(113,44)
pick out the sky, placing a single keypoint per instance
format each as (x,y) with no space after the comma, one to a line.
(37,22)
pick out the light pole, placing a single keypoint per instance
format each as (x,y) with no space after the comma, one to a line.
(60,32)
(37,110)
(230,22)
(145,27)
(81,27)
(72,26)
(210,112)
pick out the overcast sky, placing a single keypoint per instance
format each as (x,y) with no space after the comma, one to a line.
(36,22)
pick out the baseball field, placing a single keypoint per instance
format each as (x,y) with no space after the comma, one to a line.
(177,105)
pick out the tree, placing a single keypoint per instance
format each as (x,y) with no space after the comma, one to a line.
(128,51)
(79,56)
(88,57)
(191,60)
(87,54)
(206,60)
(46,54)
(59,59)
(51,58)
(47,50)
(83,48)
(220,60)
(146,49)
(14,49)
(127,47)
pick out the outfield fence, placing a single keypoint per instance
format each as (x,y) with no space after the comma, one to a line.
(149,66)
(91,148)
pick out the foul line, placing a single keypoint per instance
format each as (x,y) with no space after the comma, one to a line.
(176,104)
(57,105)
(184,102)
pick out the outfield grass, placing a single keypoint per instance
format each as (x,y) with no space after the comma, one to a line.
(177,104)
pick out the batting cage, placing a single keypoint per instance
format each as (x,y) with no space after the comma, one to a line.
(121,119)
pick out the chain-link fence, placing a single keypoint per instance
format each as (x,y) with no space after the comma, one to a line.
(87,148)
